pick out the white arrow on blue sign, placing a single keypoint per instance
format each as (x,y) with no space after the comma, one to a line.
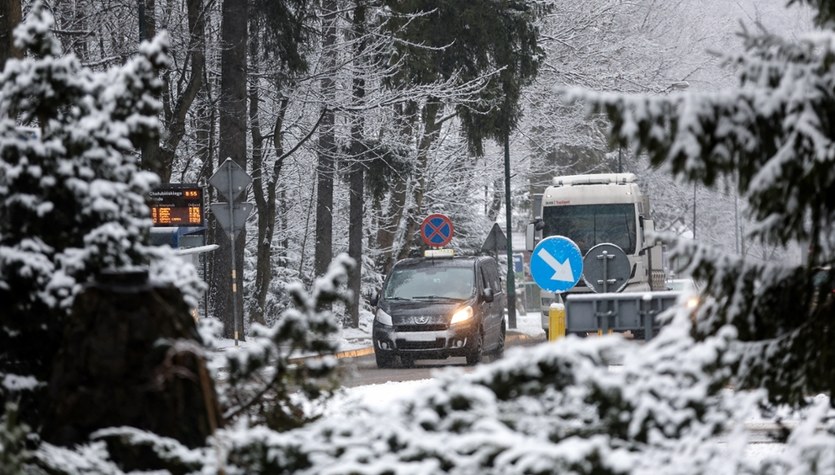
(556,264)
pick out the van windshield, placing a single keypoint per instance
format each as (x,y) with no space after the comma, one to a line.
(589,225)
(415,283)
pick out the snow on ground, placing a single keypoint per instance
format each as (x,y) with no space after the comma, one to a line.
(358,338)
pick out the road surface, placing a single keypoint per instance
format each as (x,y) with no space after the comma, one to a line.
(363,370)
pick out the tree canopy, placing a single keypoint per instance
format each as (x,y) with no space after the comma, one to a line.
(467,41)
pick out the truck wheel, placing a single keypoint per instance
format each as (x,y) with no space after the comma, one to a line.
(474,355)
(384,361)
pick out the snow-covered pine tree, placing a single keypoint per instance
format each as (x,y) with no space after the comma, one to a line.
(71,193)
(773,137)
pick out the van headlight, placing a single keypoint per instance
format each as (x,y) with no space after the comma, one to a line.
(383,318)
(462,315)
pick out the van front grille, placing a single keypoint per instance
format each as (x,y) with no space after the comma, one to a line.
(429,327)
(438,343)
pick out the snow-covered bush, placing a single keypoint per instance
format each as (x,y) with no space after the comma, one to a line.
(773,138)
(552,409)
(266,381)
(71,192)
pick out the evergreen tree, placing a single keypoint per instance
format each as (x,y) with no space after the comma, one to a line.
(773,139)
(466,41)
(71,194)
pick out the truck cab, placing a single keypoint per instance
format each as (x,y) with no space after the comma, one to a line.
(594,209)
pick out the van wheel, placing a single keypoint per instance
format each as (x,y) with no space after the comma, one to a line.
(384,361)
(474,355)
(500,346)
(407,361)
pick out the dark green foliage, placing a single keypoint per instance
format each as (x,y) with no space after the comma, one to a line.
(12,440)
(825,16)
(71,194)
(287,30)
(383,162)
(262,379)
(463,42)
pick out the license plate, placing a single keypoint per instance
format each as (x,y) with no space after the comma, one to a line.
(419,336)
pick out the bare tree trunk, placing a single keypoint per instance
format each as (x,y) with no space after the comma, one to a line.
(357,178)
(146,15)
(205,141)
(265,210)
(265,183)
(10,17)
(387,231)
(390,221)
(176,120)
(233,116)
(431,126)
(327,145)
(496,201)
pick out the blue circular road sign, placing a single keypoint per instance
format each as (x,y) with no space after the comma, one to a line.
(556,264)
(436,230)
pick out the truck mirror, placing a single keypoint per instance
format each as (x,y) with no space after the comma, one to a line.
(529,236)
(532,232)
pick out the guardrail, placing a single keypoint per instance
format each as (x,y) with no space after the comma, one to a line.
(606,312)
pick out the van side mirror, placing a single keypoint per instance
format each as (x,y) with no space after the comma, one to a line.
(374,300)
(487,294)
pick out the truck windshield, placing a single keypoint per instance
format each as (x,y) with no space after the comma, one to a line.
(589,225)
(430,282)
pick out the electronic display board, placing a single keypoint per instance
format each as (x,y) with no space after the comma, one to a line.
(176,204)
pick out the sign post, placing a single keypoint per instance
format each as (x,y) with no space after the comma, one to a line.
(231,180)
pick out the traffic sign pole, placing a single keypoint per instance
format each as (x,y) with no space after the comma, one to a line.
(231,180)
(232,236)
(511,281)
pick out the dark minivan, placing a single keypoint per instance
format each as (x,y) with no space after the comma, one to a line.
(434,308)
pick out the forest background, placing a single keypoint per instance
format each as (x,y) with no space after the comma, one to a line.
(357,119)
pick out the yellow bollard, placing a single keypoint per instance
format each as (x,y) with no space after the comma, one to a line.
(556,321)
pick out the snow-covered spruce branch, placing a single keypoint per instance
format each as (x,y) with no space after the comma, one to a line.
(265,367)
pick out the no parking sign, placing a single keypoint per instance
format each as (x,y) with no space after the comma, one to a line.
(436,230)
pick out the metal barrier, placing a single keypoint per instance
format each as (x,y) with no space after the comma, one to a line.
(603,313)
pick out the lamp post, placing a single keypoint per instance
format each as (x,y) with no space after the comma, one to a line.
(694,210)
(511,280)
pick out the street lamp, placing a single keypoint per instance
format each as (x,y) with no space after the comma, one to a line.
(694,210)
(511,282)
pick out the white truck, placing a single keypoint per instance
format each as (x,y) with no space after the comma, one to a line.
(595,209)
